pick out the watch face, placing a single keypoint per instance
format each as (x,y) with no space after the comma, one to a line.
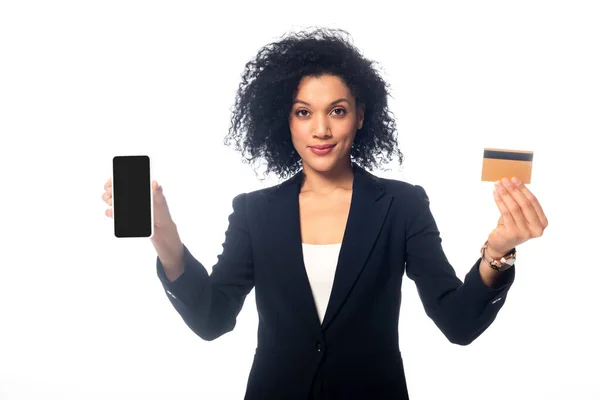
(510,261)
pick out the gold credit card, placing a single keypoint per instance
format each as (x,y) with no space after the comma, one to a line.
(500,163)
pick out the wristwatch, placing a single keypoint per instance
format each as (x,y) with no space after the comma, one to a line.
(504,263)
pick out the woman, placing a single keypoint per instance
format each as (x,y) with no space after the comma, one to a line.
(326,249)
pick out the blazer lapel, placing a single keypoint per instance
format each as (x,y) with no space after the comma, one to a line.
(368,210)
(284,238)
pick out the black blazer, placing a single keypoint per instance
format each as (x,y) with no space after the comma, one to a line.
(354,354)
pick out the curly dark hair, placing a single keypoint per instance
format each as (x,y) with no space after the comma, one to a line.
(260,121)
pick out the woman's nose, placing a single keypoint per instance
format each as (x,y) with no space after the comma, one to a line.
(322,128)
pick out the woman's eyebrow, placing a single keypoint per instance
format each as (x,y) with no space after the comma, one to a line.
(331,104)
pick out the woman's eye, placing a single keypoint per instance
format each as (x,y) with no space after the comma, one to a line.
(337,111)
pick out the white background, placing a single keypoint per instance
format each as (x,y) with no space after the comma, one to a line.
(83,315)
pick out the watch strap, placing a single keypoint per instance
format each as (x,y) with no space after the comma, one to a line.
(501,264)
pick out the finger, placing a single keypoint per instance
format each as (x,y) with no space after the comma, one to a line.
(109,212)
(107,198)
(108,183)
(505,216)
(508,207)
(518,196)
(534,203)
(157,190)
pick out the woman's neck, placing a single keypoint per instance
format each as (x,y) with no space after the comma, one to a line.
(341,177)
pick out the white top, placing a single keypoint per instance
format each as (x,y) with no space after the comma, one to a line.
(320,261)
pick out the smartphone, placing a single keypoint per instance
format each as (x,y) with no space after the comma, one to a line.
(132,197)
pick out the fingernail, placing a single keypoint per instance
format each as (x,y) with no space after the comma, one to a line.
(516,180)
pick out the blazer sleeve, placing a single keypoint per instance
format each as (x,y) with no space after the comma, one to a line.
(462,311)
(210,304)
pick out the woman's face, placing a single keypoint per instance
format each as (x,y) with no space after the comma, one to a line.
(324,113)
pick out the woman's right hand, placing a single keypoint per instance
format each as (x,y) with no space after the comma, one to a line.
(166,238)
(162,216)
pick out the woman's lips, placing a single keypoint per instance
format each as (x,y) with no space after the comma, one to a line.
(322,149)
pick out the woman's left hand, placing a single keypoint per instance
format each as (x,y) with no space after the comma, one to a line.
(522,217)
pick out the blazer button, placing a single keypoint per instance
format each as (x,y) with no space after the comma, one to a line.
(319,347)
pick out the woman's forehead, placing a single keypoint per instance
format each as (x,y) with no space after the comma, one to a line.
(324,89)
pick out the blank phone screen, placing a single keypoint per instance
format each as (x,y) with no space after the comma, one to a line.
(132,192)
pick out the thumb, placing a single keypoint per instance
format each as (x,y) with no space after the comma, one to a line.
(156,188)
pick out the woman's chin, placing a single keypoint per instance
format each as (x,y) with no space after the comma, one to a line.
(322,164)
